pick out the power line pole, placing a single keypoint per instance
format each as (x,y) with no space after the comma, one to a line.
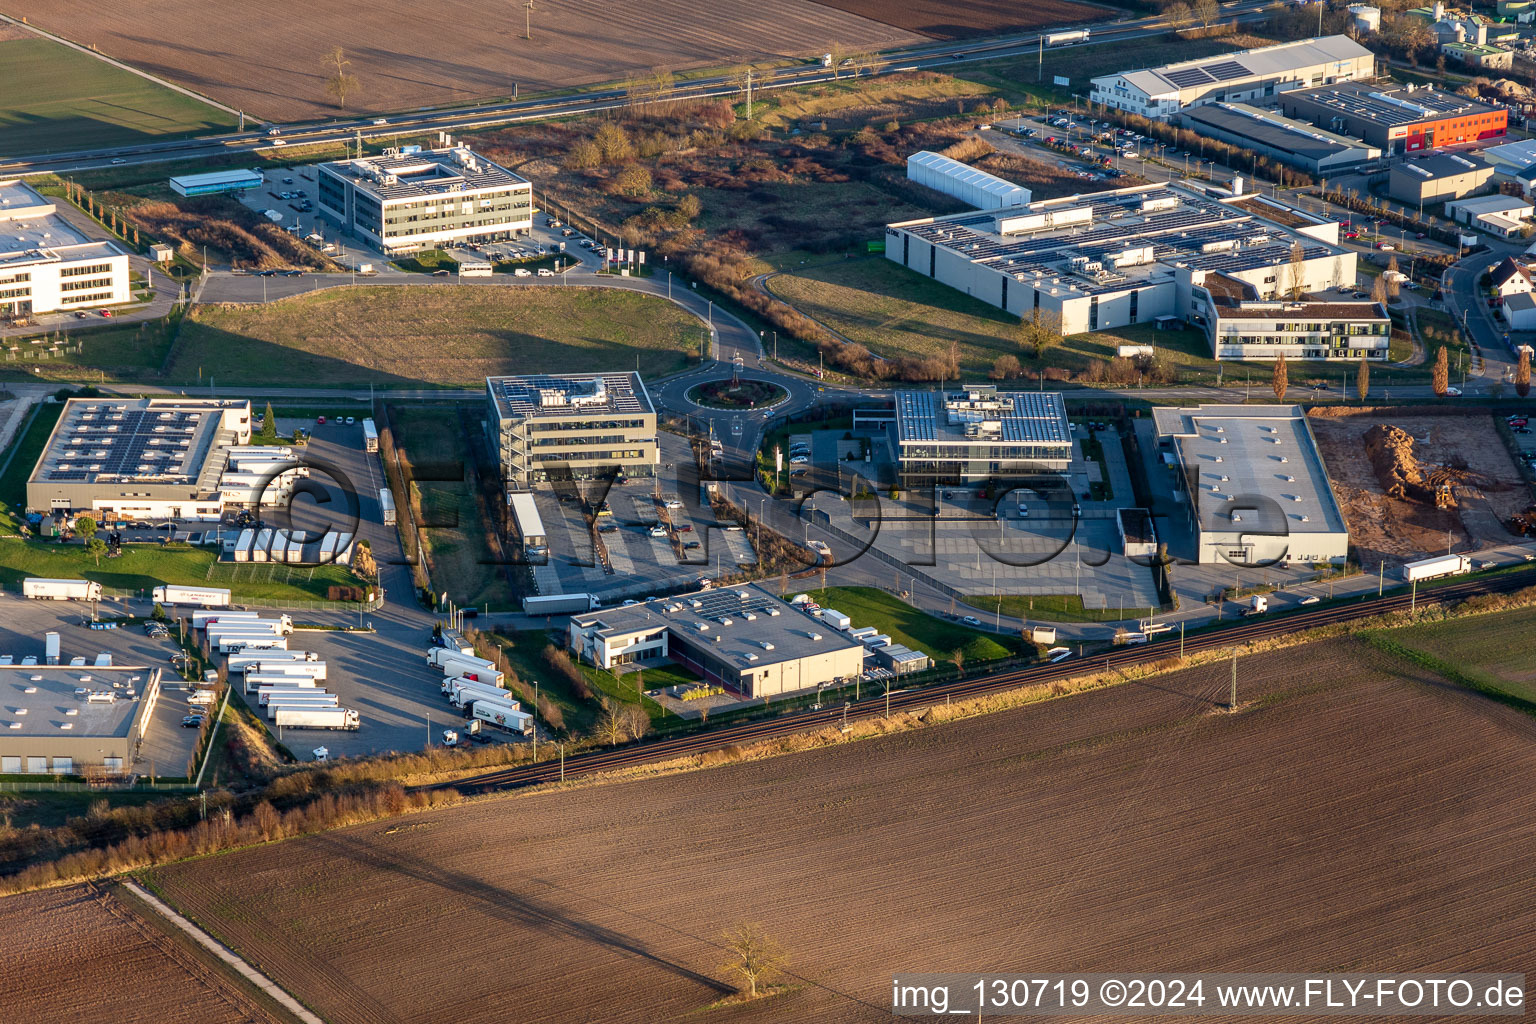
(1232,705)
(749,94)
(528,19)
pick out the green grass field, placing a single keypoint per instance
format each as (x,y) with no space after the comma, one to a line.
(411,335)
(56,99)
(1492,652)
(1049,608)
(22,456)
(935,637)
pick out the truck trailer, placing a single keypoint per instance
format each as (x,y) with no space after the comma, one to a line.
(499,715)
(559,604)
(387,506)
(1434,568)
(288,701)
(200,619)
(462,692)
(476,670)
(41,589)
(252,662)
(440,657)
(370,436)
(279,624)
(315,718)
(231,644)
(254,681)
(1071,38)
(51,647)
(205,597)
(266,693)
(289,669)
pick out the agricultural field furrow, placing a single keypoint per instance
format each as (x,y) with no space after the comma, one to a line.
(79,953)
(1140,827)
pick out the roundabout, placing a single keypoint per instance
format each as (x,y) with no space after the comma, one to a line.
(741,394)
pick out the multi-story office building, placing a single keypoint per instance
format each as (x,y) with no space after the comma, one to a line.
(979,433)
(407,201)
(1248,76)
(46,265)
(139,458)
(1241,326)
(574,426)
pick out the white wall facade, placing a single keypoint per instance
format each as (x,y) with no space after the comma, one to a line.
(65,278)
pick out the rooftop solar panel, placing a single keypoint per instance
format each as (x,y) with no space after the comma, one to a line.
(1186,77)
(1226,70)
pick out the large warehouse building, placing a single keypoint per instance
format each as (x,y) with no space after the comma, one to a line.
(1247,76)
(139,458)
(1255,488)
(46,265)
(1121,257)
(1438,176)
(216,182)
(739,637)
(406,201)
(979,433)
(1403,120)
(1268,133)
(71,721)
(576,426)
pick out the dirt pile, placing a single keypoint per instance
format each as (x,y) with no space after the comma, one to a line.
(1391,453)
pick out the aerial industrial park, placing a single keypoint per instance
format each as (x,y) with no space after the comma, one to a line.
(684,508)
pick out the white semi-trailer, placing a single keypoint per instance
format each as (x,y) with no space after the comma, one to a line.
(254,681)
(497,714)
(1433,568)
(231,644)
(267,694)
(314,670)
(315,718)
(558,604)
(280,701)
(51,647)
(60,590)
(464,693)
(249,662)
(387,506)
(1067,38)
(474,670)
(201,619)
(205,597)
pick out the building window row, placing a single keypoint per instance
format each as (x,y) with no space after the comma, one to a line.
(77,286)
(17,278)
(86,270)
(93,297)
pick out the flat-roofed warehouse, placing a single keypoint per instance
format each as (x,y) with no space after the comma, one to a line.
(1266,132)
(1256,75)
(740,637)
(62,721)
(576,426)
(46,264)
(216,182)
(140,458)
(1438,177)
(979,433)
(1254,485)
(1119,257)
(1402,120)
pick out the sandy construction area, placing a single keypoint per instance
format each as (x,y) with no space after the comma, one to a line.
(264,56)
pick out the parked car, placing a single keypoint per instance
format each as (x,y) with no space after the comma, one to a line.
(192,722)
(971,620)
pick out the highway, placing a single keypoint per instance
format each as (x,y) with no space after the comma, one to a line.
(961,689)
(924,57)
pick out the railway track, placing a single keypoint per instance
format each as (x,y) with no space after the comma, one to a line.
(749,732)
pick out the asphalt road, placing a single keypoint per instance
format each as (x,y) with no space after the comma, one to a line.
(927,56)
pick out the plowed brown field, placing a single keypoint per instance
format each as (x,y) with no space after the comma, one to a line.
(943,19)
(1357,815)
(77,954)
(264,56)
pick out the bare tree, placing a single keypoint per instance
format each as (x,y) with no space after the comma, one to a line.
(1442,373)
(1179,15)
(636,722)
(1523,374)
(838,52)
(1394,287)
(755,956)
(340,82)
(1298,271)
(1363,379)
(1280,381)
(611,725)
(1379,290)
(1205,12)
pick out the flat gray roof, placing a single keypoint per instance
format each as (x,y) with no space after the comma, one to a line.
(573,395)
(1235,451)
(1390,107)
(431,172)
(32,231)
(744,617)
(1023,417)
(51,701)
(1272,130)
(1246,65)
(1442,165)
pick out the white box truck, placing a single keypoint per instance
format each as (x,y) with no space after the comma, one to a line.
(315,718)
(1433,568)
(60,590)
(370,436)
(835,618)
(387,506)
(558,604)
(497,714)
(206,597)
(51,647)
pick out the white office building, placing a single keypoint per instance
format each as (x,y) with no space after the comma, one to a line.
(47,265)
(1247,76)
(416,199)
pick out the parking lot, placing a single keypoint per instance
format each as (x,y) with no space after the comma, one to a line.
(23,622)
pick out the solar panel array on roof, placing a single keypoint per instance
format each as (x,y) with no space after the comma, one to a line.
(1034,418)
(1226,70)
(529,396)
(1186,77)
(116,440)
